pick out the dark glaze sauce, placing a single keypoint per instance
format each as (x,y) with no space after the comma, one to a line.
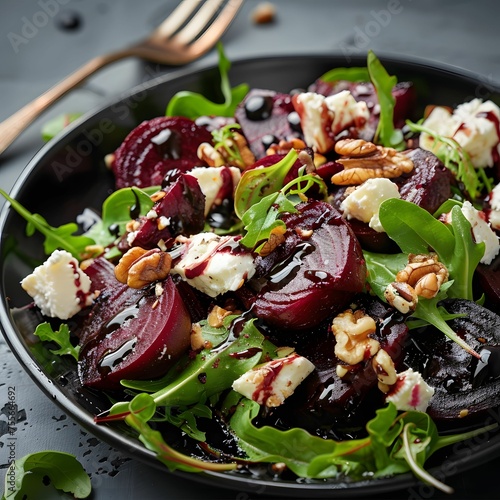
(284,272)
(114,358)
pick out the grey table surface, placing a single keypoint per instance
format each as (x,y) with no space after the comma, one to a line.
(42,41)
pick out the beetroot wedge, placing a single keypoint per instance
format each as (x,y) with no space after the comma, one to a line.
(156,147)
(323,269)
(180,211)
(465,388)
(133,334)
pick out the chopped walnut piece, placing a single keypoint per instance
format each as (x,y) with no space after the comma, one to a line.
(276,238)
(158,196)
(383,366)
(356,148)
(207,153)
(401,296)
(139,267)
(216,316)
(352,330)
(364,160)
(197,340)
(422,277)
(424,273)
(248,158)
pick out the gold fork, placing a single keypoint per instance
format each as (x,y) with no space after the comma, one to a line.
(187,33)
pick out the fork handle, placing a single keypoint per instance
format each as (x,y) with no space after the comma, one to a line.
(12,127)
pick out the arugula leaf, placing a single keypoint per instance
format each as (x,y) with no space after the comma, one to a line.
(354,74)
(57,125)
(141,410)
(186,420)
(262,218)
(429,311)
(63,469)
(417,231)
(385,134)
(257,183)
(55,237)
(45,332)
(116,212)
(193,105)
(295,447)
(391,436)
(456,159)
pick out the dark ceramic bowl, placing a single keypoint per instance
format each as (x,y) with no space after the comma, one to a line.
(69,175)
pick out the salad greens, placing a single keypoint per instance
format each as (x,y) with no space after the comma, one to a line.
(27,476)
(192,105)
(385,134)
(212,371)
(396,443)
(55,237)
(45,333)
(261,197)
(354,74)
(416,231)
(116,211)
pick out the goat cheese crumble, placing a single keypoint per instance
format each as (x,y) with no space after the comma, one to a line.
(271,383)
(472,125)
(322,118)
(214,264)
(410,392)
(364,202)
(59,287)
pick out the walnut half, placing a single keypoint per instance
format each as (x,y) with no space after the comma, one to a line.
(139,267)
(363,160)
(352,330)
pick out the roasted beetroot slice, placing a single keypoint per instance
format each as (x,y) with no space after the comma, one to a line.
(429,184)
(156,147)
(181,209)
(460,383)
(266,113)
(318,277)
(324,400)
(133,335)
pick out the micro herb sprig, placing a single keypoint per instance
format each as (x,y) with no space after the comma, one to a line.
(457,160)
(224,139)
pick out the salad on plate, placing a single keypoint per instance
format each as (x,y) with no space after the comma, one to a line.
(302,284)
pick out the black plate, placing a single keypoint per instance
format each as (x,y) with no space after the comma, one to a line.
(69,175)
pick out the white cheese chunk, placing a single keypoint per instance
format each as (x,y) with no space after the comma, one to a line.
(213,181)
(214,264)
(364,202)
(272,382)
(482,232)
(410,392)
(472,124)
(322,118)
(59,287)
